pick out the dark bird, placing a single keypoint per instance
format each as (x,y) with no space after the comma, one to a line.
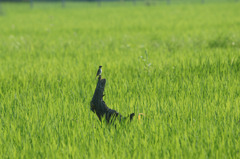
(99,71)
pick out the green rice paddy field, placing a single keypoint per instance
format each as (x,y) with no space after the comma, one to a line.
(178,64)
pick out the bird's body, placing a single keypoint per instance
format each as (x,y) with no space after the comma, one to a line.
(99,72)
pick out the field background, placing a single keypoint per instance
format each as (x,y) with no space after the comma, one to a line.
(178,64)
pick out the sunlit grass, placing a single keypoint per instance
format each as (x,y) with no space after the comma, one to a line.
(178,65)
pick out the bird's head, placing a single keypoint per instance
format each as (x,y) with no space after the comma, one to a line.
(100,66)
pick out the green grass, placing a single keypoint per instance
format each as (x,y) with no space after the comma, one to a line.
(187,83)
